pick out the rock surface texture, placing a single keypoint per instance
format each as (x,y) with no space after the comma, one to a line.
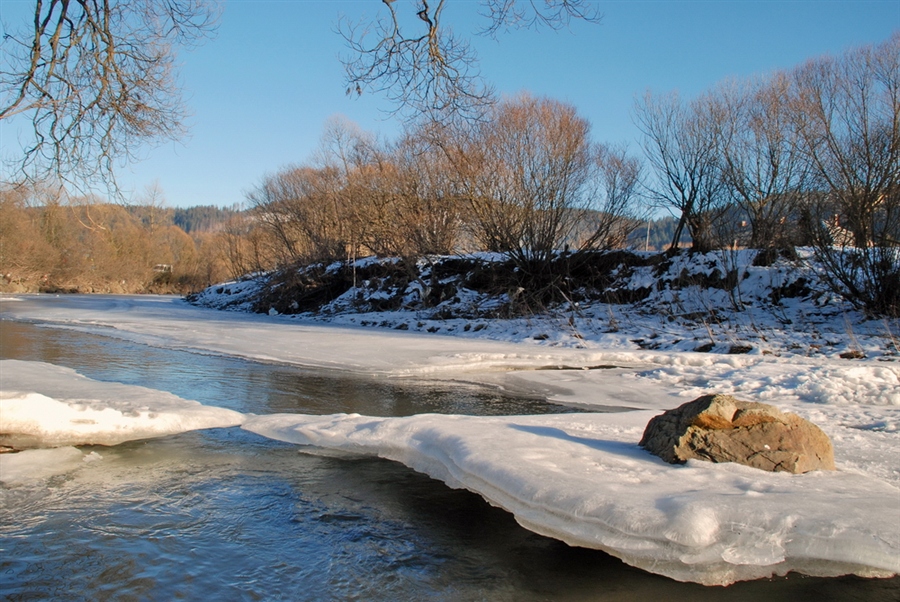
(720,428)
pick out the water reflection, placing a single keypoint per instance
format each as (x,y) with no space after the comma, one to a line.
(251,386)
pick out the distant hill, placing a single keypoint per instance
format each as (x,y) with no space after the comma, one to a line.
(203,218)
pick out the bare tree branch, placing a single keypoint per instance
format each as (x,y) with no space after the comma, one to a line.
(555,14)
(763,164)
(424,68)
(682,146)
(847,111)
(97,80)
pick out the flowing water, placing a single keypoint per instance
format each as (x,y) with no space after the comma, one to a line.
(225,514)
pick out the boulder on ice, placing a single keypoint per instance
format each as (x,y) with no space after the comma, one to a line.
(720,428)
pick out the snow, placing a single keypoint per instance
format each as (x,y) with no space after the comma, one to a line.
(578,477)
(584,480)
(785,309)
(50,406)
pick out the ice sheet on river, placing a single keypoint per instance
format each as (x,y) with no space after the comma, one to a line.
(42,405)
(583,479)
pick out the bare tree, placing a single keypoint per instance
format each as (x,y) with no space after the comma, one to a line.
(316,208)
(534,183)
(423,67)
(682,145)
(152,206)
(347,152)
(25,254)
(429,208)
(273,204)
(522,171)
(764,165)
(331,208)
(610,213)
(97,80)
(847,110)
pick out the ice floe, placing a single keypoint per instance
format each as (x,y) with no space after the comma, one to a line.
(582,478)
(42,405)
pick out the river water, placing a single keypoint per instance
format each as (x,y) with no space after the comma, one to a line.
(226,514)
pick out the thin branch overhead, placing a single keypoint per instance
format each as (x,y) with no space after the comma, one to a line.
(97,81)
(425,69)
(555,14)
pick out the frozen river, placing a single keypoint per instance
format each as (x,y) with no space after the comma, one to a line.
(225,513)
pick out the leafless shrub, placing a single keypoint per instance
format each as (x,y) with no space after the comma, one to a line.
(523,172)
(765,169)
(847,110)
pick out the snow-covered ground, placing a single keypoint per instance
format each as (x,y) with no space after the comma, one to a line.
(581,478)
(719,302)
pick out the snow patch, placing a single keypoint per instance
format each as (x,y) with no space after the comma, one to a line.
(42,405)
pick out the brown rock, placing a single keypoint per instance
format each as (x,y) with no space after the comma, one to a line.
(720,428)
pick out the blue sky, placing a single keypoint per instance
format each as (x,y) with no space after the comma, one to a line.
(261,91)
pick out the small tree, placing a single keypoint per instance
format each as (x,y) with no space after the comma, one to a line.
(847,110)
(25,254)
(682,146)
(765,169)
(612,213)
(429,211)
(523,172)
(274,204)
